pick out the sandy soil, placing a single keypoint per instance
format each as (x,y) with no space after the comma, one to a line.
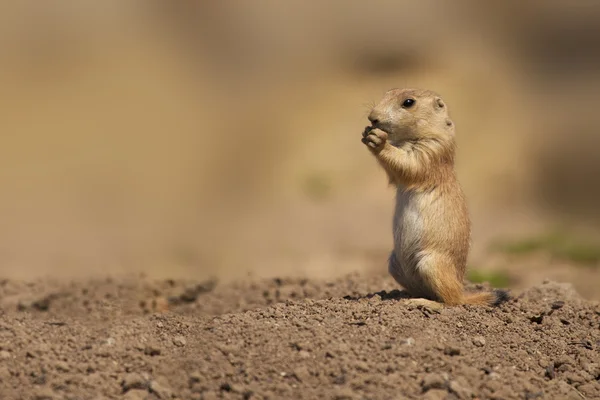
(350,338)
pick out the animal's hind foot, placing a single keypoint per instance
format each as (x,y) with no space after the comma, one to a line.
(424,305)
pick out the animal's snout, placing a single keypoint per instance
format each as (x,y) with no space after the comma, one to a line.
(374,120)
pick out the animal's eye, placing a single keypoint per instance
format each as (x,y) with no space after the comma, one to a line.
(408,103)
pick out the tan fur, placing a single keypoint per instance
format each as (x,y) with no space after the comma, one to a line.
(415,145)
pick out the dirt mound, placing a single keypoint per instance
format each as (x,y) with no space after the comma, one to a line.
(351,338)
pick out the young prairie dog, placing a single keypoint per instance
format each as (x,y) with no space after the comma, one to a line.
(412,137)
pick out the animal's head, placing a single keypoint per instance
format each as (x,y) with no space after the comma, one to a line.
(412,114)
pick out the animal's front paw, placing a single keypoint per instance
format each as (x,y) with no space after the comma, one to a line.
(374,138)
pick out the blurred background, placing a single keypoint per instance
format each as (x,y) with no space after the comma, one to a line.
(199,138)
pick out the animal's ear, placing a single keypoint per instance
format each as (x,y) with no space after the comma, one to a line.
(439,102)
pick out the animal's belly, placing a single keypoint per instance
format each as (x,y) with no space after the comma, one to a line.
(408,230)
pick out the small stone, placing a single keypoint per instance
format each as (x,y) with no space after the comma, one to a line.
(452,351)
(345,393)
(62,366)
(133,381)
(44,394)
(152,350)
(567,391)
(179,341)
(209,396)
(550,372)
(435,394)
(236,389)
(195,377)
(42,303)
(4,373)
(303,354)
(592,369)
(533,395)
(225,387)
(557,305)
(588,390)
(460,390)
(160,304)
(136,394)
(574,378)
(433,381)
(362,366)
(493,375)
(161,391)
(302,373)
(479,341)
(4,355)
(408,341)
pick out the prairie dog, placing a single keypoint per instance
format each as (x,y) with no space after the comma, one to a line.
(413,139)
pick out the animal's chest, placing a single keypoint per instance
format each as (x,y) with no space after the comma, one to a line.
(408,222)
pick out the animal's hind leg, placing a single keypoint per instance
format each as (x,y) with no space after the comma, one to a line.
(439,276)
(395,270)
(415,288)
(402,278)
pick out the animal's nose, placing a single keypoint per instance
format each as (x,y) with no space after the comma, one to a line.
(374,120)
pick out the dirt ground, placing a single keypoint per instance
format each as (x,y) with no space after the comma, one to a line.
(349,338)
(199,138)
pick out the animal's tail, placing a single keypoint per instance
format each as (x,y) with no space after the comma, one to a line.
(493,298)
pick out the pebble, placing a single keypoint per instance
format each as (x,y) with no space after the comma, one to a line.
(452,351)
(44,394)
(152,350)
(435,394)
(345,393)
(4,355)
(493,375)
(195,377)
(479,341)
(62,366)
(161,391)
(210,396)
(567,391)
(136,394)
(303,354)
(433,381)
(302,373)
(588,390)
(460,390)
(4,373)
(133,381)
(179,341)
(362,366)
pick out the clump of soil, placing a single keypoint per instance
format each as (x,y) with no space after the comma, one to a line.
(352,338)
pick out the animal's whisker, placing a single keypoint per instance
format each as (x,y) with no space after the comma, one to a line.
(368,107)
